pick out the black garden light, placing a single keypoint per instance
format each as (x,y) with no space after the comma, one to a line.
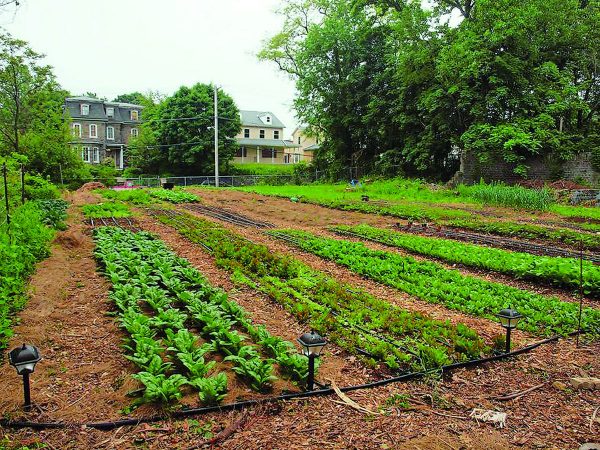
(312,344)
(509,318)
(24,359)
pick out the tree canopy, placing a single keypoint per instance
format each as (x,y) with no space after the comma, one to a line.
(33,127)
(178,137)
(389,83)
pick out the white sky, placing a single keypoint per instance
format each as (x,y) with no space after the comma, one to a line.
(113,47)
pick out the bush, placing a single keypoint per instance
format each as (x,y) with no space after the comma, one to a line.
(37,188)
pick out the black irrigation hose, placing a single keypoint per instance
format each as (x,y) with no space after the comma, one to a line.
(499,242)
(228,216)
(239,405)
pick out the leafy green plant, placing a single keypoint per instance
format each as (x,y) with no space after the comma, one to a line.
(212,389)
(106,209)
(174,196)
(160,388)
(248,364)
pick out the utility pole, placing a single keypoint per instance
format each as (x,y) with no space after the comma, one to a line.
(216,139)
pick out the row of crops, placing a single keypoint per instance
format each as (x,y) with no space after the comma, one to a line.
(433,283)
(363,325)
(148,196)
(22,243)
(562,272)
(161,300)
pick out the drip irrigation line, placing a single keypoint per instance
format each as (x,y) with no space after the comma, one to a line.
(499,242)
(111,425)
(228,216)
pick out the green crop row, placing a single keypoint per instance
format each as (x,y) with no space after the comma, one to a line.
(135,196)
(354,320)
(106,209)
(147,276)
(173,196)
(22,244)
(510,196)
(433,283)
(563,272)
(518,230)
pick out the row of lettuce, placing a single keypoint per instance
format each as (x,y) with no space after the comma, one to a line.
(161,300)
(24,242)
(433,283)
(561,272)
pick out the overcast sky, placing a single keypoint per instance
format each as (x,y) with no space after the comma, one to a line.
(112,47)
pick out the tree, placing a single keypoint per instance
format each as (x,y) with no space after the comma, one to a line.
(136,98)
(32,123)
(178,135)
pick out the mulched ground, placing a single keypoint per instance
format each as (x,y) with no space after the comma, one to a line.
(423,414)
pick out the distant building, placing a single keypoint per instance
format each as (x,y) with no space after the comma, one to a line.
(308,144)
(102,129)
(261,140)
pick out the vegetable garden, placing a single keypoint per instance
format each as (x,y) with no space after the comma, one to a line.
(176,262)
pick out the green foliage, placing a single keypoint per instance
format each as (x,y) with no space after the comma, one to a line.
(328,307)
(135,196)
(391,85)
(37,188)
(212,390)
(262,169)
(433,283)
(53,212)
(21,246)
(562,272)
(511,196)
(106,209)
(173,196)
(160,388)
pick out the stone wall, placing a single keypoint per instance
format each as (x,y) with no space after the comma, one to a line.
(579,168)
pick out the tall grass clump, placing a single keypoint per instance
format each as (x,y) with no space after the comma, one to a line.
(519,197)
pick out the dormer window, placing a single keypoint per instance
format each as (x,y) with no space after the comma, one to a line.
(268,119)
(85,109)
(135,115)
(110,112)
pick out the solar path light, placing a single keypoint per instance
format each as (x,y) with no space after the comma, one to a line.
(24,359)
(312,344)
(509,318)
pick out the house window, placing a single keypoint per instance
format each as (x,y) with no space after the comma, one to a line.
(93,130)
(110,112)
(246,132)
(286,158)
(275,134)
(135,114)
(85,109)
(77,129)
(96,154)
(268,153)
(296,158)
(268,119)
(299,137)
(261,134)
(110,133)
(134,132)
(241,152)
(85,154)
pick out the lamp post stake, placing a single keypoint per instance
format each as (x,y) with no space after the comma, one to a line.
(310,382)
(26,391)
(508,340)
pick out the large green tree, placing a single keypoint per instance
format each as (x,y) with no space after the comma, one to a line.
(391,83)
(178,134)
(32,122)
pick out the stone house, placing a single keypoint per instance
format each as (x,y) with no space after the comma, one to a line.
(102,129)
(261,140)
